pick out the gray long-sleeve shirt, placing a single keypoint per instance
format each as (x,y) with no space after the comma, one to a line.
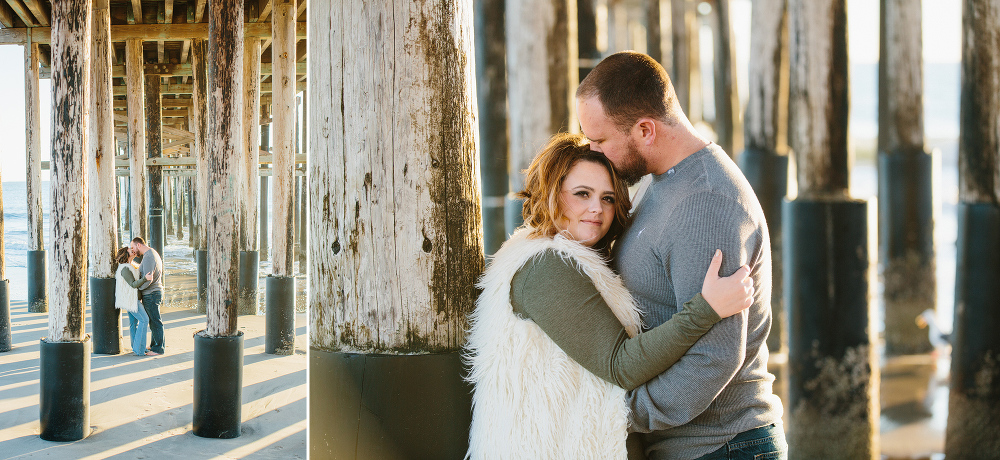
(151,262)
(721,387)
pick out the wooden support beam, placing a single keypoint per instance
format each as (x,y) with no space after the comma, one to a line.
(40,10)
(265,89)
(103,229)
(199,10)
(21,10)
(147,32)
(265,11)
(136,12)
(136,120)
(68,275)
(6,15)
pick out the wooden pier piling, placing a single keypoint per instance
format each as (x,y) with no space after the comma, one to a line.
(154,149)
(395,238)
(541,79)
(906,195)
(102,194)
(200,116)
(833,375)
(218,361)
(38,301)
(249,255)
(135,83)
(64,368)
(494,138)
(764,162)
(974,398)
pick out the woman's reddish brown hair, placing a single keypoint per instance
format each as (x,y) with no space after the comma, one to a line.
(542,207)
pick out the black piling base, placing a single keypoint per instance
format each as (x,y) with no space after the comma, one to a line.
(279,315)
(218,386)
(38,299)
(64,399)
(906,248)
(767,173)
(248,299)
(157,238)
(388,406)
(106,322)
(974,400)
(201,259)
(832,400)
(5,339)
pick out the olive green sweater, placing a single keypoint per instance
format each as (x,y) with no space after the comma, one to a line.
(563,301)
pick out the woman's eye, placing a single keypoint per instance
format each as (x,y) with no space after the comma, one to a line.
(609,199)
(582,194)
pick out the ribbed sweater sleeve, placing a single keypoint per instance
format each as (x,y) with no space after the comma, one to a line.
(564,302)
(127,276)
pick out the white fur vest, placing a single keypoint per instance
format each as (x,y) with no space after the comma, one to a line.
(531,400)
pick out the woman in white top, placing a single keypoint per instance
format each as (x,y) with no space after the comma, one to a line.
(127,281)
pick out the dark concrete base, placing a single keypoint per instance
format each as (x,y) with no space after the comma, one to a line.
(38,299)
(218,386)
(64,399)
(388,406)
(157,237)
(5,339)
(249,298)
(974,397)
(279,315)
(201,259)
(831,359)
(106,321)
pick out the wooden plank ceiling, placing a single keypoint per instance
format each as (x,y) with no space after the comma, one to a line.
(167,27)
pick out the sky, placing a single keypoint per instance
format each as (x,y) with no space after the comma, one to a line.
(942,44)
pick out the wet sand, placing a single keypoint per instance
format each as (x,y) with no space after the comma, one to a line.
(141,407)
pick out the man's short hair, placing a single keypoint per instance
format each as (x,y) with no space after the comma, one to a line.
(631,86)
(139,240)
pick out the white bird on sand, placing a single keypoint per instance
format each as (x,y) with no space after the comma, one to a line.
(938,338)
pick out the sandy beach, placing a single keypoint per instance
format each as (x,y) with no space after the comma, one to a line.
(141,407)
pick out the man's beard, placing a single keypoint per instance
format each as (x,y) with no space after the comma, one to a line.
(633,166)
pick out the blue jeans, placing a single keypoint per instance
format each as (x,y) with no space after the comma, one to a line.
(762,443)
(137,324)
(151,303)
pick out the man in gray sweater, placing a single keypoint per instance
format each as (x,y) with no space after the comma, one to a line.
(717,401)
(151,291)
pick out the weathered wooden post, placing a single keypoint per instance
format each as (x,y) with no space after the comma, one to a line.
(586,31)
(135,95)
(654,30)
(103,212)
(542,79)
(764,162)
(5,343)
(684,50)
(491,87)
(265,145)
(304,187)
(906,197)
(249,298)
(168,205)
(974,399)
(833,375)
(38,300)
(218,352)
(154,149)
(396,239)
(727,101)
(64,365)
(179,208)
(279,332)
(199,111)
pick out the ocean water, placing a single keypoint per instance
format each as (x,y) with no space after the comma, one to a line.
(15,234)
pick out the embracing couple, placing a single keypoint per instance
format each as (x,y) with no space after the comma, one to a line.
(568,354)
(135,282)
